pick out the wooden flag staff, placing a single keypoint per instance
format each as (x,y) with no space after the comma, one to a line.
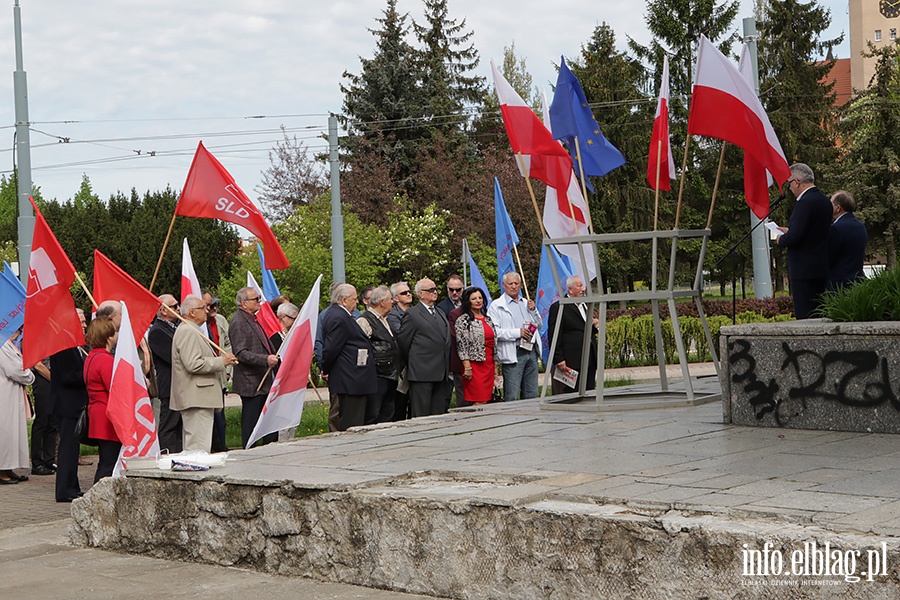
(165,245)
(712,203)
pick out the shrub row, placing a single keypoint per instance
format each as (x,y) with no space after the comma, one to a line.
(766,307)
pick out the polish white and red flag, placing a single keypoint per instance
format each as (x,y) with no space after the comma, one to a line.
(265,316)
(544,158)
(129,408)
(564,216)
(190,285)
(661,163)
(725,106)
(756,179)
(211,192)
(284,405)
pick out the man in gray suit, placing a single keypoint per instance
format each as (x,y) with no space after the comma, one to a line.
(424,340)
(196,387)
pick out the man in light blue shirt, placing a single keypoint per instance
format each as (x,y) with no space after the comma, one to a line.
(516,323)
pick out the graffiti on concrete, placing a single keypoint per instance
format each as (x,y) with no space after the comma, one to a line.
(858,378)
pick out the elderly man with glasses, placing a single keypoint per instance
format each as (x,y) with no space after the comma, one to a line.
(424,341)
(517,324)
(806,238)
(196,387)
(255,371)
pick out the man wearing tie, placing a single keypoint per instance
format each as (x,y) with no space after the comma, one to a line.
(424,340)
(570,339)
(847,239)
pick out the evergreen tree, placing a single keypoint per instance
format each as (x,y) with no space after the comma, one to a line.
(870,164)
(382,105)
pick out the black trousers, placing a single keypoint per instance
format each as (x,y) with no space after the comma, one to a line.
(169,430)
(106,461)
(44,430)
(251,408)
(67,485)
(807,295)
(428,398)
(353,411)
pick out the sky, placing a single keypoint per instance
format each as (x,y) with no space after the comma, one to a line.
(122,90)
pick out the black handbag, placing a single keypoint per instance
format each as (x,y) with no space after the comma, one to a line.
(81,429)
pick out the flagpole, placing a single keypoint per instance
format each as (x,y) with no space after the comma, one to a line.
(716,186)
(84,287)
(537,211)
(165,245)
(200,333)
(263,380)
(583,191)
(518,260)
(658,168)
(687,143)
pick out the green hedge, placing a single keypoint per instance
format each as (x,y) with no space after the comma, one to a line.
(632,341)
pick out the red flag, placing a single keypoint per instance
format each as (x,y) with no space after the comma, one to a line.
(724,106)
(284,405)
(756,179)
(190,285)
(544,157)
(112,283)
(129,407)
(51,323)
(660,143)
(266,316)
(210,192)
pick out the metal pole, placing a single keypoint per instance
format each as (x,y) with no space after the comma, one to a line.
(23,154)
(337,221)
(762,270)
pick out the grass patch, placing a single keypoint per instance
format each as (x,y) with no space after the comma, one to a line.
(313,422)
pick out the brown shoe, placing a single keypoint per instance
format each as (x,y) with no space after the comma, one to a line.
(83,462)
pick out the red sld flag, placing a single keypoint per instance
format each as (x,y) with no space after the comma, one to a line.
(51,323)
(112,283)
(724,106)
(661,158)
(210,192)
(544,157)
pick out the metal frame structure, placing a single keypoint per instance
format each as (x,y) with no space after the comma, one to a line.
(597,298)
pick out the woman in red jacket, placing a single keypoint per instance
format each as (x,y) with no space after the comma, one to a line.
(101,335)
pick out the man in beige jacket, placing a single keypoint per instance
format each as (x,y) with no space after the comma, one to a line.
(196,386)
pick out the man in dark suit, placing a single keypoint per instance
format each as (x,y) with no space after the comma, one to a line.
(348,358)
(847,239)
(69,400)
(253,375)
(425,344)
(454,295)
(159,338)
(570,340)
(806,238)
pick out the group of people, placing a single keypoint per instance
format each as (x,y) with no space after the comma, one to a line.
(398,359)
(826,243)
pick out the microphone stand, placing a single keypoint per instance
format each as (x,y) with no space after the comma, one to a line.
(732,250)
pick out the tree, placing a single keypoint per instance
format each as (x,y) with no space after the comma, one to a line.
(292,178)
(871,156)
(382,105)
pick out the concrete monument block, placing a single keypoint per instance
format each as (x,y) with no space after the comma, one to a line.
(812,374)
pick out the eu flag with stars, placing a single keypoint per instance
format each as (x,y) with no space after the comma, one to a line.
(571,117)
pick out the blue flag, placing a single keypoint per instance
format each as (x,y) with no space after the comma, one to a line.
(506,235)
(572,117)
(270,289)
(12,303)
(476,280)
(547,293)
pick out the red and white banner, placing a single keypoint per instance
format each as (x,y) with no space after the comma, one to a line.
(51,323)
(210,192)
(661,160)
(265,316)
(284,405)
(756,179)
(129,408)
(112,283)
(190,285)
(725,106)
(544,158)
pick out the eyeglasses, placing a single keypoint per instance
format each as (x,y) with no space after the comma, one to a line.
(431,290)
(253,299)
(404,293)
(455,290)
(173,306)
(290,317)
(203,308)
(214,306)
